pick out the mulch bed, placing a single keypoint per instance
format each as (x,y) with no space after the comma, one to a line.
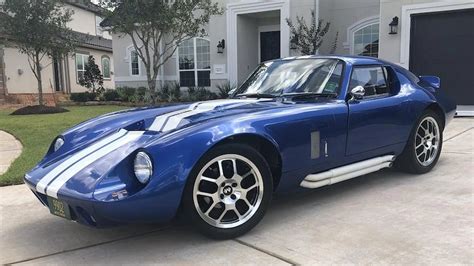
(39,109)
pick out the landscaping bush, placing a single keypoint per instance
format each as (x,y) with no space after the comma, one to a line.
(126,94)
(200,94)
(224,89)
(171,92)
(140,95)
(110,95)
(83,97)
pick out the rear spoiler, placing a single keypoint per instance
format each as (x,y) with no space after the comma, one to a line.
(432,80)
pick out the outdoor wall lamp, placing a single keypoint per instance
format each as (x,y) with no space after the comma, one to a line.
(221,46)
(393,26)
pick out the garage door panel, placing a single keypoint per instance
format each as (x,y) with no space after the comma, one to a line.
(442,44)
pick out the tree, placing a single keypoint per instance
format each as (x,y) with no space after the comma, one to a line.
(92,78)
(308,39)
(38,29)
(157,27)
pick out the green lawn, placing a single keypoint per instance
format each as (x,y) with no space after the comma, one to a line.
(36,132)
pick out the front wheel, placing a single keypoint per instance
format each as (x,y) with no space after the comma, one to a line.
(424,146)
(228,191)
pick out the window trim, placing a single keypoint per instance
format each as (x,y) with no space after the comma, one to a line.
(84,62)
(375,96)
(195,69)
(351,30)
(102,67)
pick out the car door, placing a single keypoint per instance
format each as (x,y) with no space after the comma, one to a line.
(375,120)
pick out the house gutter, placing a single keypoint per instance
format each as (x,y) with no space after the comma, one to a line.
(316,16)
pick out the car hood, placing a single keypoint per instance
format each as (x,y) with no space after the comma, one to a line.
(159,120)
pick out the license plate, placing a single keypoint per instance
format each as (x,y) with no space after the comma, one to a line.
(59,208)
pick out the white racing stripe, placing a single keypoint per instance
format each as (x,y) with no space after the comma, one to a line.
(53,188)
(160,121)
(174,121)
(43,183)
(170,121)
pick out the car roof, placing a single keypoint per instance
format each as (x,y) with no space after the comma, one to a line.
(352,59)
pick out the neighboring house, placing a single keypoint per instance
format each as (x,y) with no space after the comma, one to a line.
(60,75)
(255,31)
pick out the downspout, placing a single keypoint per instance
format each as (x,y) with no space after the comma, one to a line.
(316,16)
(67,74)
(162,70)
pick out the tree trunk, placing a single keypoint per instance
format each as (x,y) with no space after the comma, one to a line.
(151,84)
(152,87)
(39,79)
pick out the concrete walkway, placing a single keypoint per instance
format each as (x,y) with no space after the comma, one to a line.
(382,218)
(10,149)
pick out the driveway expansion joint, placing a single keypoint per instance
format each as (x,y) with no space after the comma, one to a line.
(270,253)
(86,247)
(458,134)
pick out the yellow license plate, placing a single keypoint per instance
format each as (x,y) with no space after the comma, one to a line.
(59,208)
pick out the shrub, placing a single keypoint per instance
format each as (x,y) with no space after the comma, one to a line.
(110,95)
(224,89)
(126,94)
(83,97)
(171,92)
(140,95)
(200,94)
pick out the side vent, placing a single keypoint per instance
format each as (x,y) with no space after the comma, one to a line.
(315,145)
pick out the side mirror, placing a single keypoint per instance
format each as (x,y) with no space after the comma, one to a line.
(432,80)
(357,93)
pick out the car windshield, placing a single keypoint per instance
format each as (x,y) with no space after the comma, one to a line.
(311,76)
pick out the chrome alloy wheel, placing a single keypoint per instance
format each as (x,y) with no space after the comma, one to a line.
(228,191)
(427,141)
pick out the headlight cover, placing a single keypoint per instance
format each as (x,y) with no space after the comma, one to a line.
(58,143)
(143,167)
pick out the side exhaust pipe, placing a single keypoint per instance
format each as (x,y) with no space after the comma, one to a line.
(340,174)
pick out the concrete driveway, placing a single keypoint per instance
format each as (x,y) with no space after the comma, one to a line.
(383,218)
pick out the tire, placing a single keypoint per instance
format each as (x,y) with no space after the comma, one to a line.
(418,157)
(222,204)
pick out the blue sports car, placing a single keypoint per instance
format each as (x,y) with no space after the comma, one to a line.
(302,122)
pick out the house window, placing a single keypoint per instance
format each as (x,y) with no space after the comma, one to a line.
(106,67)
(98,29)
(134,63)
(195,63)
(81,61)
(366,40)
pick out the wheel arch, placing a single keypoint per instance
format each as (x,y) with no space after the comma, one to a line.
(264,146)
(435,107)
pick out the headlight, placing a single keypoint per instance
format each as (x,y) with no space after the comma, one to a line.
(58,143)
(143,167)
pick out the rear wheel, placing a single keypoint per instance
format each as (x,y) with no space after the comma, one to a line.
(228,191)
(424,146)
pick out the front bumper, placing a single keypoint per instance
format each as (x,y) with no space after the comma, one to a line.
(94,213)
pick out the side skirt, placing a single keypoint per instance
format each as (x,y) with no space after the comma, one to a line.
(346,172)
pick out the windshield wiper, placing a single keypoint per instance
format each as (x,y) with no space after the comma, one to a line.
(309,95)
(257,95)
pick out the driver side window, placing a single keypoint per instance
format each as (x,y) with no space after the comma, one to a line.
(373,79)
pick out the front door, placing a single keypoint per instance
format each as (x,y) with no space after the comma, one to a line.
(269,45)
(58,77)
(375,121)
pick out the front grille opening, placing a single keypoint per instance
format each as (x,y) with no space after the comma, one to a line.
(41,198)
(89,219)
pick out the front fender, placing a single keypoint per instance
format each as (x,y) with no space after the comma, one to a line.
(176,154)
